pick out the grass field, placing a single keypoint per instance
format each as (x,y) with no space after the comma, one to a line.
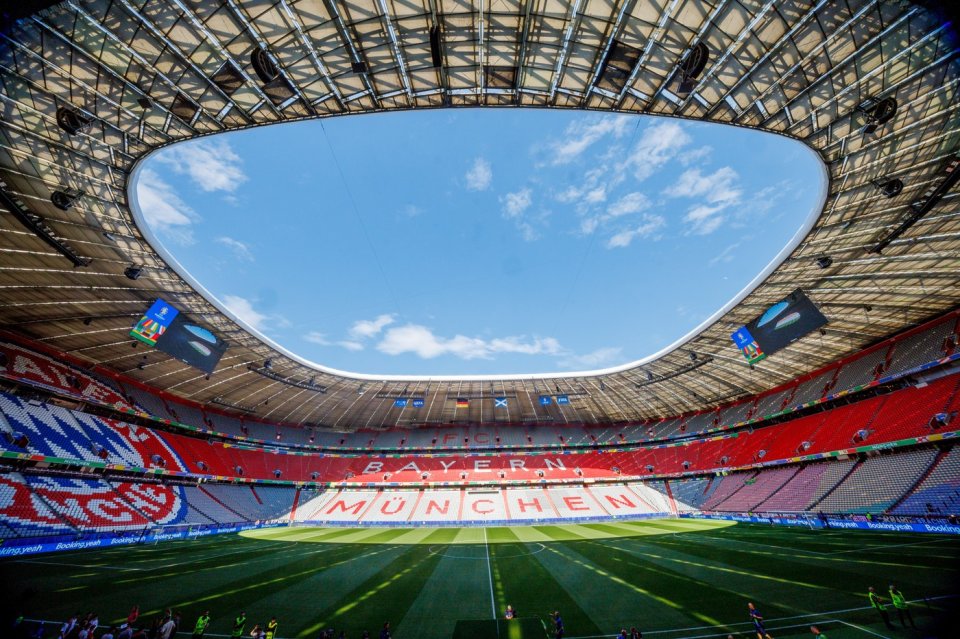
(674,579)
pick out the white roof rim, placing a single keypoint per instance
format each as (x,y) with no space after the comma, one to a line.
(774,263)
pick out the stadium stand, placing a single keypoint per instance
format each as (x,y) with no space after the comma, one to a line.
(756,488)
(809,484)
(879,482)
(696,470)
(906,354)
(937,493)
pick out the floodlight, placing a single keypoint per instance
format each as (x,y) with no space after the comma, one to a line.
(265,68)
(824,261)
(878,112)
(692,66)
(133,272)
(72,121)
(65,199)
(889,188)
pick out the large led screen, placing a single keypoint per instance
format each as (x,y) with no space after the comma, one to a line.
(170,331)
(783,323)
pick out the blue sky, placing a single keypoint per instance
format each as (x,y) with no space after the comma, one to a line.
(480,241)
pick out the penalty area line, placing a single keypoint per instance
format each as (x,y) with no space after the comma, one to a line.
(853,625)
(493,604)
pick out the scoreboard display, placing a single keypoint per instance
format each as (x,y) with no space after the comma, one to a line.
(780,325)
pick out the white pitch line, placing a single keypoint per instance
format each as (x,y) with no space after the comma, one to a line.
(60,563)
(853,625)
(917,543)
(493,605)
(722,634)
(826,613)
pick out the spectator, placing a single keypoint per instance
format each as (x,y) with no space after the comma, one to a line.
(509,614)
(132,617)
(271,628)
(635,634)
(110,634)
(67,628)
(167,628)
(816,633)
(385,631)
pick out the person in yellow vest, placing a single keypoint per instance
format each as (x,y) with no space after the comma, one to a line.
(271,628)
(237,631)
(201,626)
(876,601)
(900,603)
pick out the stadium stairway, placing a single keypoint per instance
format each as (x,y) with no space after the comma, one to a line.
(240,517)
(922,478)
(839,483)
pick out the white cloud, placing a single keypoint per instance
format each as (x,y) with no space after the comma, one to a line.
(628,204)
(163,209)
(514,204)
(719,187)
(650,225)
(315,337)
(365,329)
(412,210)
(211,164)
(725,256)
(659,143)
(240,250)
(421,341)
(594,359)
(243,309)
(579,136)
(695,155)
(719,191)
(479,176)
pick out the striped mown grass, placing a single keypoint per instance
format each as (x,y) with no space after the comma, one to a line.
(673,579)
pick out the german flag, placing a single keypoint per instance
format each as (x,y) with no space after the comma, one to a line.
(463,402)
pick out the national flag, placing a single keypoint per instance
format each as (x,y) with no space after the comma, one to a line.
(545,400)
(499,402)
(418,403)
(563,399)
(400,402)
(463,402)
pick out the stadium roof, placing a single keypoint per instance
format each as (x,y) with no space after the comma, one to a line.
(130,76)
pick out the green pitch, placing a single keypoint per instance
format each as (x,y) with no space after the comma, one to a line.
(673,579)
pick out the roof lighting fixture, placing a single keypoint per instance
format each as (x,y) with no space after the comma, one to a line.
(72,121)
(878,112)
(824,261)
(65,199)
(889,188)
(692,66)
(133,272)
